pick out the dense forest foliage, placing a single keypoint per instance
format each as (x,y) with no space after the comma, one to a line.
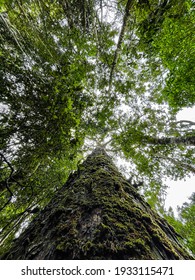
(84,73)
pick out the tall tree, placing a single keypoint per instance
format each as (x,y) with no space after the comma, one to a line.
(97,215)
(76,74)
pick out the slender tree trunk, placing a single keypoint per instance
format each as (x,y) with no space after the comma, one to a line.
(97,215)
(120,40)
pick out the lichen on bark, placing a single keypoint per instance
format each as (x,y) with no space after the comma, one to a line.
(97,215)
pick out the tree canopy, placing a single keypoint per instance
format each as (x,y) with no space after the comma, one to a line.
(81,73)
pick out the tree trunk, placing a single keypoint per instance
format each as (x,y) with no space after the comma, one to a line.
(120,40)
(97,215)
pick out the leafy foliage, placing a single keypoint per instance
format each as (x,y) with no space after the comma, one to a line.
(185,223)
(167,31)
(75,74)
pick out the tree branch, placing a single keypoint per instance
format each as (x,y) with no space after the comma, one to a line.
(182,122)
(7,180)
(12,179)
(188,140)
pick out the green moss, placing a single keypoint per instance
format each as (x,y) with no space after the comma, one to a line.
(93,217)
(146,218)
(121,226)
(135,244)
(87,247)
(60,247)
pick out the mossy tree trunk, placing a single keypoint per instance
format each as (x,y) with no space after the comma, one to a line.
(97,215)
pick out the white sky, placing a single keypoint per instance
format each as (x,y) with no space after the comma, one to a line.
(180,191)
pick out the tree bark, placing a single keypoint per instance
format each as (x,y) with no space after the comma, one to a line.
(97,215)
